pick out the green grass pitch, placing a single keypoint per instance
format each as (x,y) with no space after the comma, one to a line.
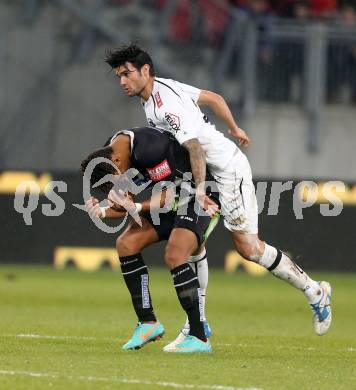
(64,329)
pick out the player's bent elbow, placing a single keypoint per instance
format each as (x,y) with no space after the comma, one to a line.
(194,148)
(209,98)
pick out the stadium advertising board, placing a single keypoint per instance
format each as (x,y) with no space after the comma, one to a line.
(313,221)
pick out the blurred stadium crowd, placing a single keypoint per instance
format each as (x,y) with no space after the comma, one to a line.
(340,12)
(208,22)
(290,80)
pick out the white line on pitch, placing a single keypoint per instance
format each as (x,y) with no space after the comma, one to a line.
(114,339)
(89,338)
(122,380)
(223,344)
(40,336)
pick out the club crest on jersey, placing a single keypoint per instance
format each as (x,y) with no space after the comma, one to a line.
(158,100)
(173,121)
(160,171)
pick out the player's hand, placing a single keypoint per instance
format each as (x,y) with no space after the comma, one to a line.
(210,207)
(93,208)
(121,201)
(244,139)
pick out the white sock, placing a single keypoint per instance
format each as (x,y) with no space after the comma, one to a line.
(268,257)
(284,268)
(199,264)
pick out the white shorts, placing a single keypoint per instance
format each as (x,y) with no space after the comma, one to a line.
(237,195)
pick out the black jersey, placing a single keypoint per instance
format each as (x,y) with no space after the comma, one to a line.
(157,155)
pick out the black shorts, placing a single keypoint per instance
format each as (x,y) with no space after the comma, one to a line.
(201,226)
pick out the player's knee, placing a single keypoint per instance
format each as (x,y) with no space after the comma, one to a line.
(174,256)
(126,246)
(253,250)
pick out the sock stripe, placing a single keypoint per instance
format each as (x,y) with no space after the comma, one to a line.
(276,262)
(135,270)
(197,261)
(188,281)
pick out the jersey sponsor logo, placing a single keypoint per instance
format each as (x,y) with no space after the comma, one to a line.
(150,122)
(160,171)
(173,121)
(158,100)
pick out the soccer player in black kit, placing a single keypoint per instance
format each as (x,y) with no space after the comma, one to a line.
(158,157)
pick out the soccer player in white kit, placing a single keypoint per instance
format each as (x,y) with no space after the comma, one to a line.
(175,107)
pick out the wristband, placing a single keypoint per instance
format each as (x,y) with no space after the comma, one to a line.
(103,211)
(138,207)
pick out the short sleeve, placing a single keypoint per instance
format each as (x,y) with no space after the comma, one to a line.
(193,92)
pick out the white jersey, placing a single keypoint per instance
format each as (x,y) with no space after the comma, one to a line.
(173,107)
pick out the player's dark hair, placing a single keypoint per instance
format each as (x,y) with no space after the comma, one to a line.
(133,54)
(101,169)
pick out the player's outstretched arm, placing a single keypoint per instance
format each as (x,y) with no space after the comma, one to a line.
(220,108)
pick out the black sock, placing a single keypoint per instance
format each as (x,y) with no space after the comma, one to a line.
(187,285)
(135,273)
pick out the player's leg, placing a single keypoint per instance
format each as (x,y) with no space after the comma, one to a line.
(241,218)
(199,264)
(181,244)
(201,227)
(280,265)
(134,270)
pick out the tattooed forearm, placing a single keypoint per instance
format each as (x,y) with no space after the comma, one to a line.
(197,160)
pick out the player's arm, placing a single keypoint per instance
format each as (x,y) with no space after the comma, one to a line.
(197,161)
(181,125)
(159,200)
(178,119)
(123,202)
(95,210)
(198,165)
(218,105)
(112,213)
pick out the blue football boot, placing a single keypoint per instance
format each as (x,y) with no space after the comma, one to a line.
(144,333)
